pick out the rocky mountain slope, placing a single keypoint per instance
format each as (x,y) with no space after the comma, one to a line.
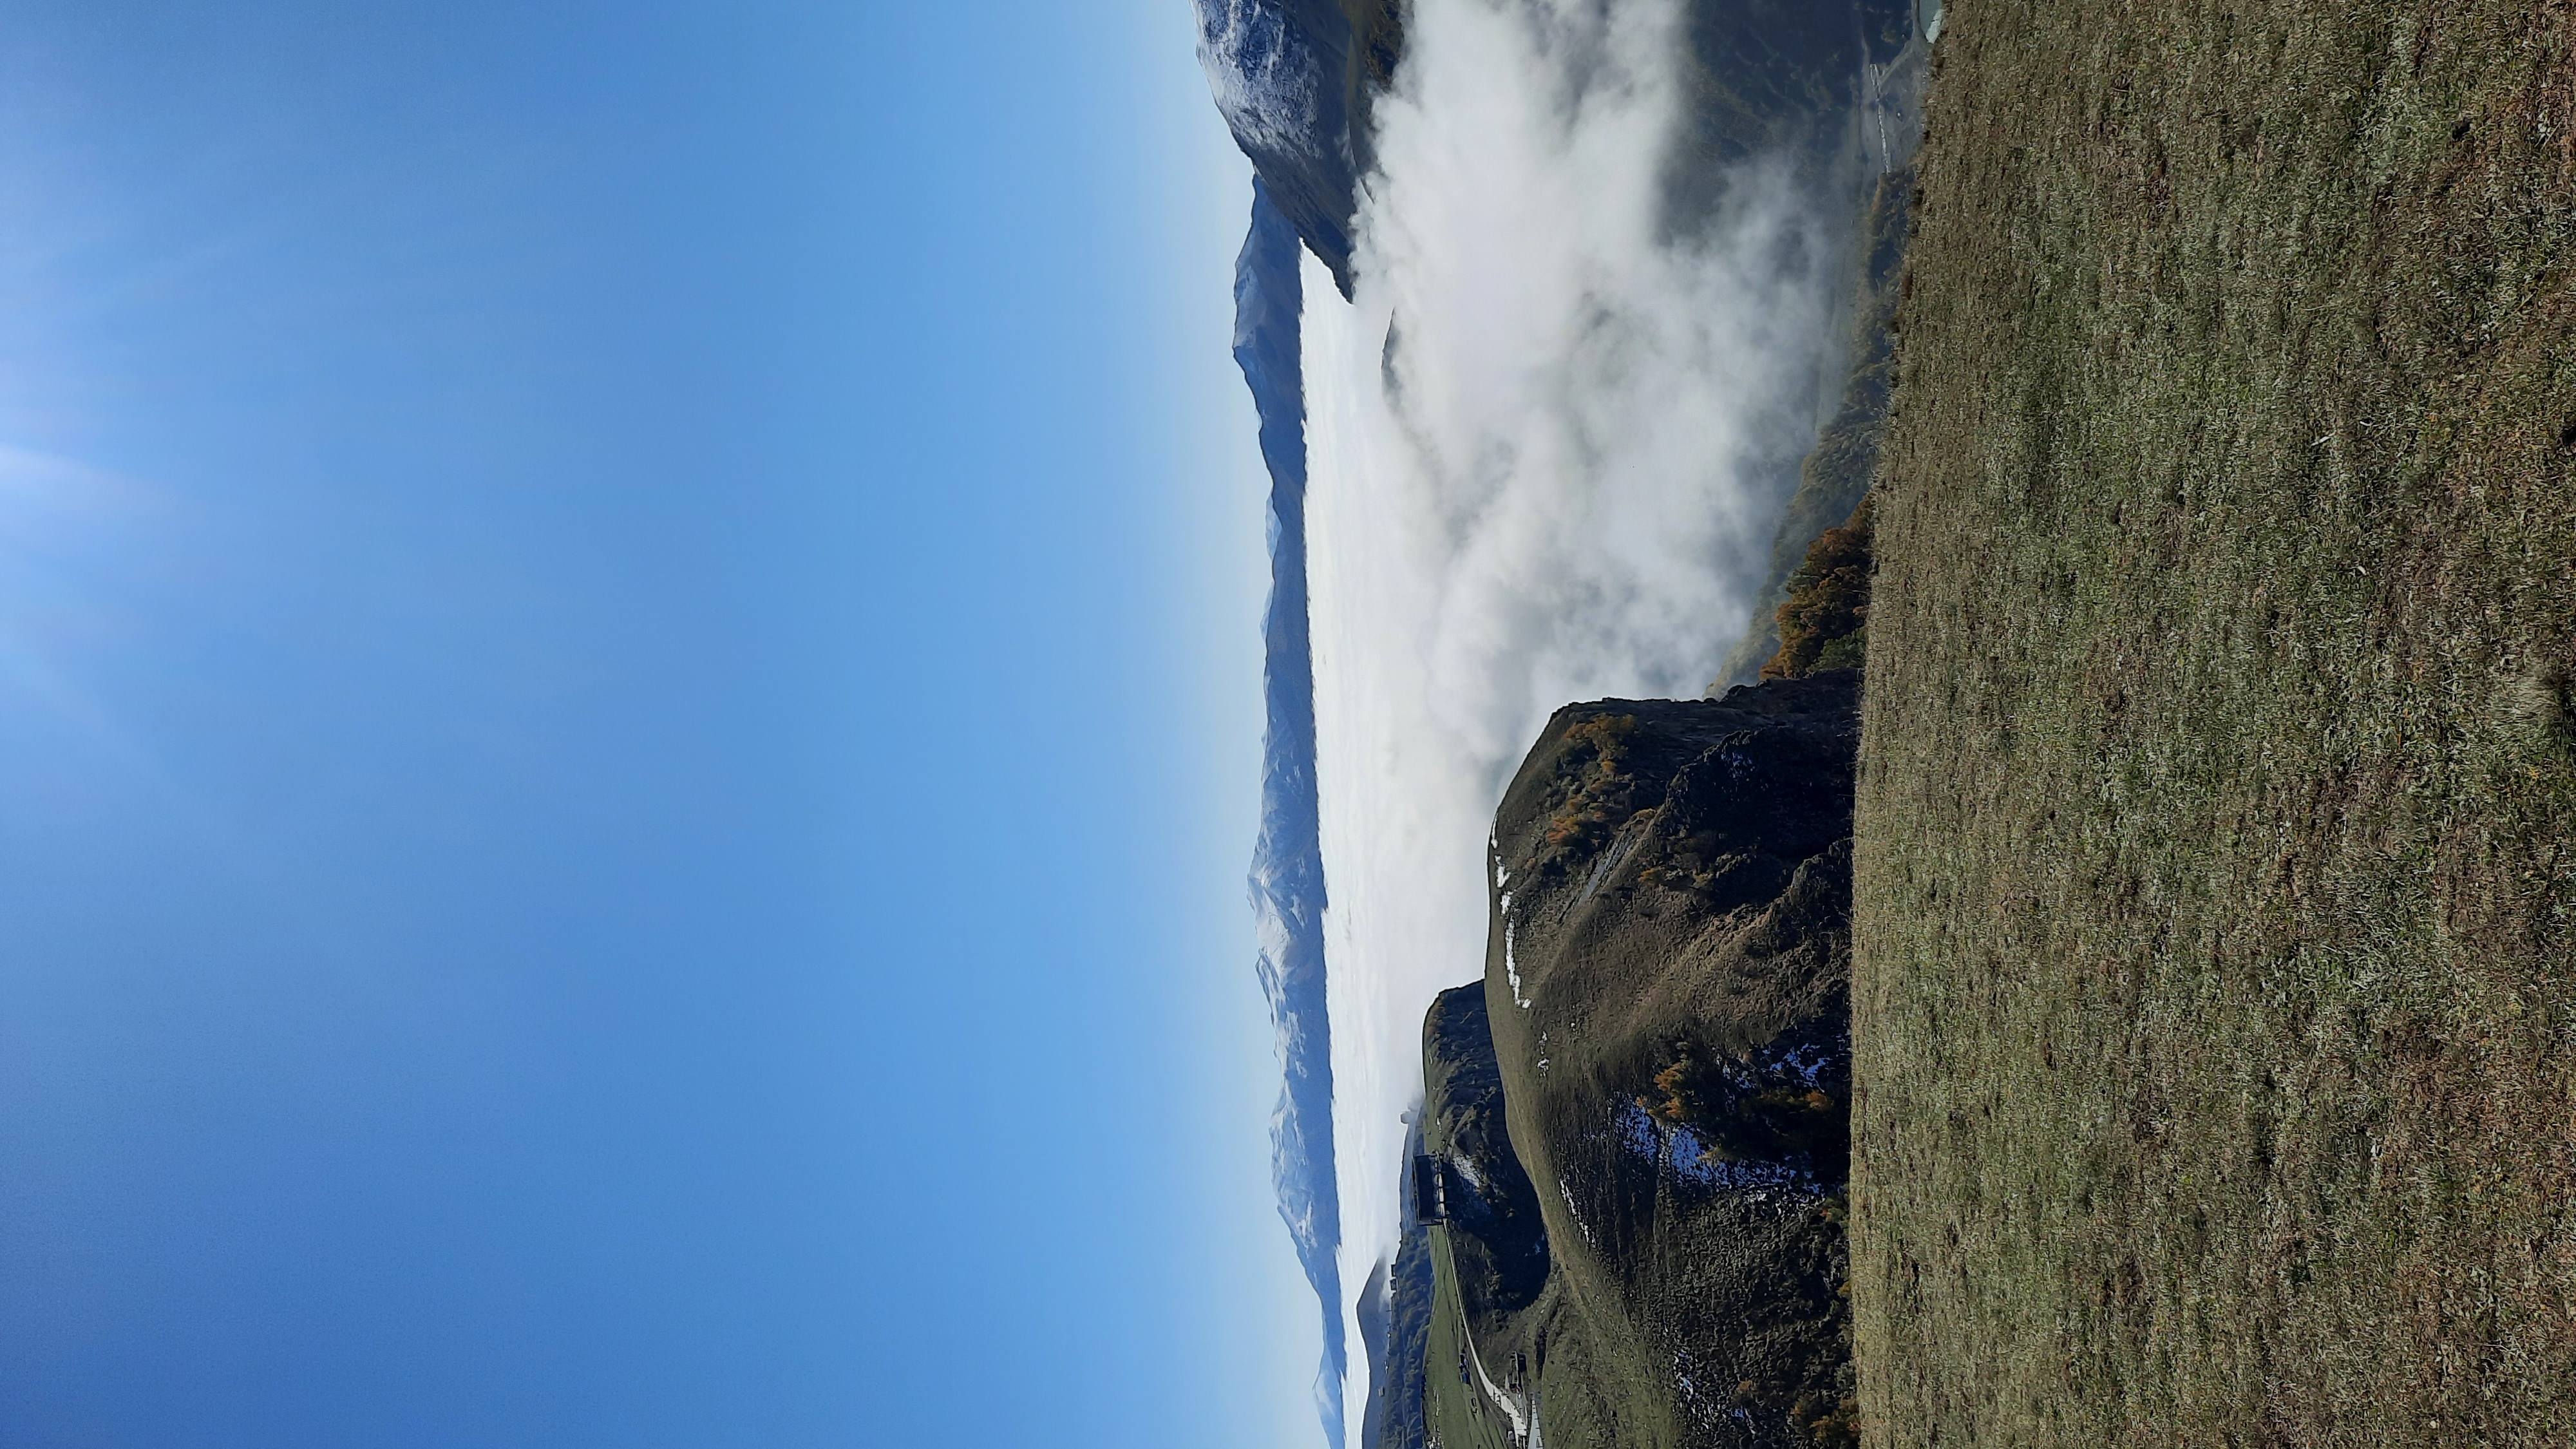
(1667,1006)
(1295,80)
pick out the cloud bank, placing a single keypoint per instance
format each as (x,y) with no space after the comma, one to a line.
(1547,443)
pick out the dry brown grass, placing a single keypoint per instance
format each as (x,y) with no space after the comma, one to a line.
(2214,990)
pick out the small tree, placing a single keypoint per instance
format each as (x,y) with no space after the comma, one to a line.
(1825,623)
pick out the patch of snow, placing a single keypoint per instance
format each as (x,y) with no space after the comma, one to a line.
(1267,86)
(1575,1213)
(1522,1431)
(1511,965)
(1679,1150)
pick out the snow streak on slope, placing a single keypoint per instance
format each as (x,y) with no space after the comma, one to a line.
(1287,863)
(1269,83)
(1547,443)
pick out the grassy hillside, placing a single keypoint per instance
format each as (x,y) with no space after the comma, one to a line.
(2214,987)
(1457,1411)
(1490,1260)
(1666,988)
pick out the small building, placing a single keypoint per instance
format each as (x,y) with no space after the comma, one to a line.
(1430,1189)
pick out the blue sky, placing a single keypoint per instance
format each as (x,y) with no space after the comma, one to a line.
(628,719)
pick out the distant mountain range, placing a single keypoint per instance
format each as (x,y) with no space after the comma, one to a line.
(1289,77)
(1287,858)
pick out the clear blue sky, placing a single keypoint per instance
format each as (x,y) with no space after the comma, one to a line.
(628,716)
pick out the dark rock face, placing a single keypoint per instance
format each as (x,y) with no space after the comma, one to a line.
(1668,987)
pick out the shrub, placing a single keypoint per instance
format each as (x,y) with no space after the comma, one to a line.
(1824,625)
(1599,791)
(1741,1117)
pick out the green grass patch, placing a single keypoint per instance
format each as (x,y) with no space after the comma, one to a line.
(2213,871)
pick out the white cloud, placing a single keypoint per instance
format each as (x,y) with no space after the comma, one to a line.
(1548,442)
